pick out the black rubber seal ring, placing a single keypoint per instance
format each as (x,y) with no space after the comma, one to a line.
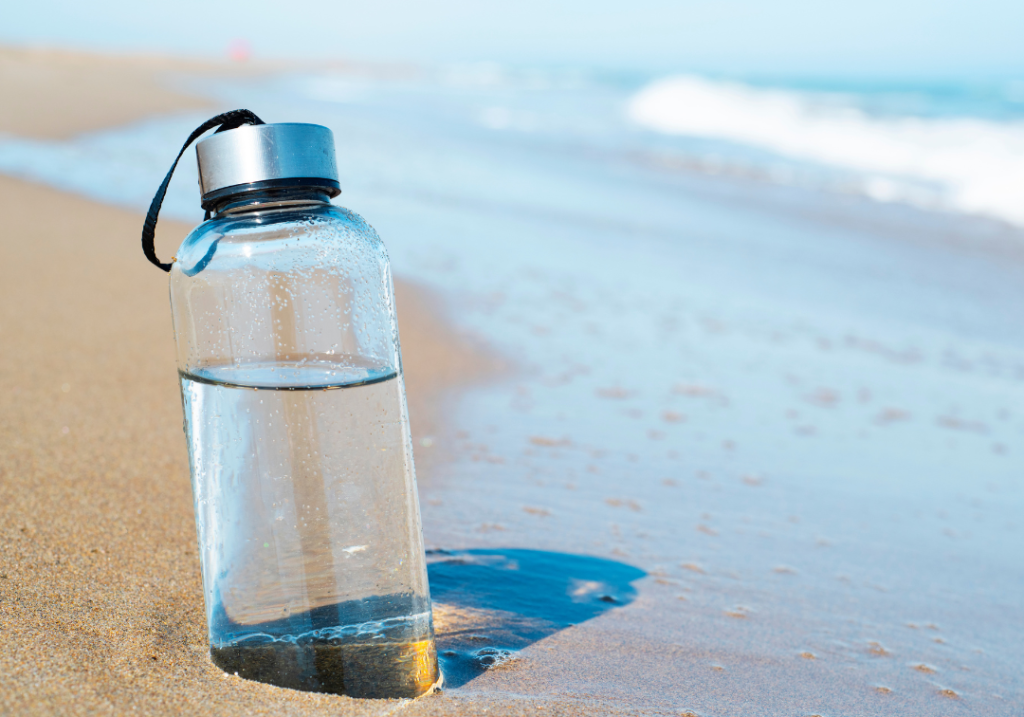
(212,198)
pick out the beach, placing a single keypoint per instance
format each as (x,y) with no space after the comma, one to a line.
(101,591)
(686,443)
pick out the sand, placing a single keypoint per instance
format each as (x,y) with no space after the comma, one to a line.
(56,94)
(101,609)
(53,94)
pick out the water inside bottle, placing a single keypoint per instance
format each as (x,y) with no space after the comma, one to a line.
(302,495)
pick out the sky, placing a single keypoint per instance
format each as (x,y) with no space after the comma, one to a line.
(867,38)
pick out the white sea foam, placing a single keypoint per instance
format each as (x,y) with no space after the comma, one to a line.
(960,164)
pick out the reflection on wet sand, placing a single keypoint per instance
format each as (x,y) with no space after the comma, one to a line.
(489,604)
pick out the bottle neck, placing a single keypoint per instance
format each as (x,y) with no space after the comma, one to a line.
(269,199)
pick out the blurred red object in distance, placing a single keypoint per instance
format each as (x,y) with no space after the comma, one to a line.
(239,50)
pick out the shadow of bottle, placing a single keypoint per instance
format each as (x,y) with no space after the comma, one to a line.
(489,604)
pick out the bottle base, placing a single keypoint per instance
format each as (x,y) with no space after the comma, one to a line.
(388,670)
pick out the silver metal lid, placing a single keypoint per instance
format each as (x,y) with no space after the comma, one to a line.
(266,154)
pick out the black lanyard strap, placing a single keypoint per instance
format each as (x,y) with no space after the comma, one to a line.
(224,122)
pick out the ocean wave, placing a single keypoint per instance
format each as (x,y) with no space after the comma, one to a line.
(961,164)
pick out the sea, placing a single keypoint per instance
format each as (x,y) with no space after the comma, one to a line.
(955,146)
(760,448)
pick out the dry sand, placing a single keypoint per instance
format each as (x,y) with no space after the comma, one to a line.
(56,94)
(101,608)
(52,94)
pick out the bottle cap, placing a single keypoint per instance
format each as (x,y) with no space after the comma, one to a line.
(254,157)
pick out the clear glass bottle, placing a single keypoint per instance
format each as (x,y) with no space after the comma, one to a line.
(302,470)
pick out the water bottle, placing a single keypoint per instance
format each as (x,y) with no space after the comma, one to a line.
(313,565)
